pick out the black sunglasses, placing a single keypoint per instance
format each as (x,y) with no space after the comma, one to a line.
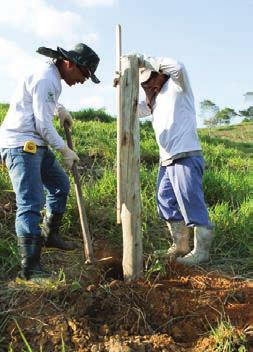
(85,72)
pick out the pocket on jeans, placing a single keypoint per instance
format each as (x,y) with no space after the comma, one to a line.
(17,151)
(16,156)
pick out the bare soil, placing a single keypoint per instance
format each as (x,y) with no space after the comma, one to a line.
(92,309)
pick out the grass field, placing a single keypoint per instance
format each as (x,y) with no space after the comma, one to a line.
(227,183)
(91,310)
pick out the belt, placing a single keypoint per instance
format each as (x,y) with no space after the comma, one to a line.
(180,156)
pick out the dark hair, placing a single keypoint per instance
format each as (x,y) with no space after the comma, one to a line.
(152,75)
(57,61)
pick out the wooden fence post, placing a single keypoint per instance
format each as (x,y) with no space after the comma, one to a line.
(130,169)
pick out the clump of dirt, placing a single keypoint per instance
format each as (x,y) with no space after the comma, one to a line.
(102,313)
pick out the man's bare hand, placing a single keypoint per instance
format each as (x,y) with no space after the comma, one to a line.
(116,79)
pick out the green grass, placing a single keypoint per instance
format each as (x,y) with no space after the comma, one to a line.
(228,339)
(92,115)
(227,184)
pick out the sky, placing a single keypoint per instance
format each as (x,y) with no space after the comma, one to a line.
(213,38)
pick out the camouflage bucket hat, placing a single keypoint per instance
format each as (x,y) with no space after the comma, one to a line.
(81,55)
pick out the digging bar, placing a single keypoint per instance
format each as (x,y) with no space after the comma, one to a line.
(88,250)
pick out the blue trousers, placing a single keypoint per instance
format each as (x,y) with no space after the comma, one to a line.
(180,194)
(31,175)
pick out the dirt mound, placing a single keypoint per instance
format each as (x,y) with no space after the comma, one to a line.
(99,313)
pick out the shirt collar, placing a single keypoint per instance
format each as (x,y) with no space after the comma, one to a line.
(57,72)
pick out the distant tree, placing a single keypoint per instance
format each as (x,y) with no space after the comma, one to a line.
(213,116)
(225,116)
(247,114)
(209,111)
(4,106)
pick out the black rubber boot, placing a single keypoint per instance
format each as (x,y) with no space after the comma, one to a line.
(30,251)
(50,232)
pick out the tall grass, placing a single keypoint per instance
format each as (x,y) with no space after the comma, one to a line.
(227,185)
(92,115)
(234,229)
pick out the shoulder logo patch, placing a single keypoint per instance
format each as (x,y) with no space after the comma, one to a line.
(50,97)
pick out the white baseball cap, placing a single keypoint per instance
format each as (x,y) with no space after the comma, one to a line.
(145,74)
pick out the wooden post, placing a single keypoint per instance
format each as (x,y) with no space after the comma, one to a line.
(130,169)
(119,119)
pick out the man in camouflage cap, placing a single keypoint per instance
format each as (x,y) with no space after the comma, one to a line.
(25,136)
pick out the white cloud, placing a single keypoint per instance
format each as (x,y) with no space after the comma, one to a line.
(43,20)
(14,61)
(95,3)
(95,102)
(88,95)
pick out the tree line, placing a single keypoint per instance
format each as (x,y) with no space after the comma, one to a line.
(214,116)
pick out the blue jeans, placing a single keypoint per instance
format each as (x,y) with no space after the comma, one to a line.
(180,194)
(31,175)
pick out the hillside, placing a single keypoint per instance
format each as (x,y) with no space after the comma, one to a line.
(173,308)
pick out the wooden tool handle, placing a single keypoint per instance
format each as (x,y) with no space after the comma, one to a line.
(88,250)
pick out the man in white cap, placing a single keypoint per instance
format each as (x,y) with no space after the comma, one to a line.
(25,136)
(180,198)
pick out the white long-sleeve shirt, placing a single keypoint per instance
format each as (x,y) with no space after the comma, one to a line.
(174,116)
(30,116)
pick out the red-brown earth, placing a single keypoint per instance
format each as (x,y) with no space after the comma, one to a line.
(101,312)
